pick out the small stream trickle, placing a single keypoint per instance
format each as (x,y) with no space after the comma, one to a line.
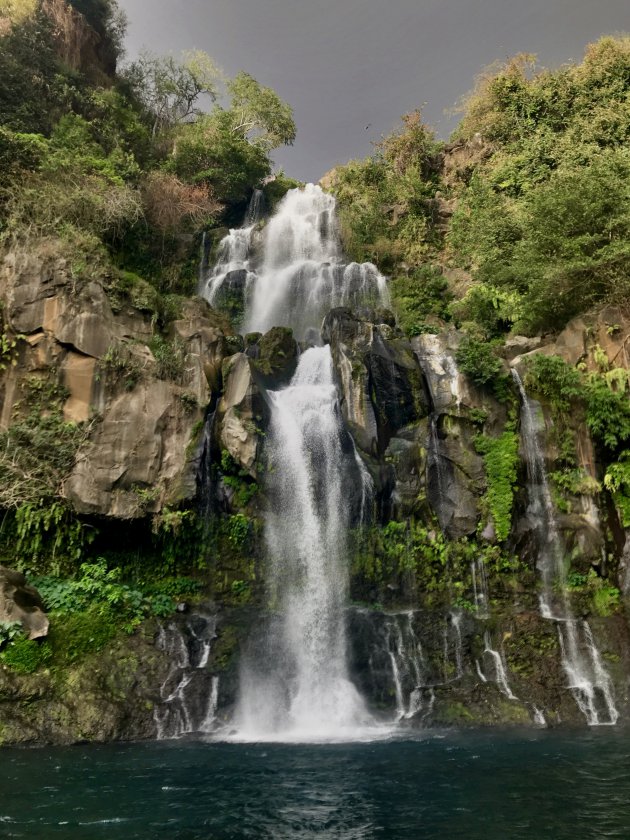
(189,695)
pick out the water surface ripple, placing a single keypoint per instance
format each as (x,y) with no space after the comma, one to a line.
(473,786)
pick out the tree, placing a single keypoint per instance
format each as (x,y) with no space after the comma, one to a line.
(259,114)
(210,151)
(171,90)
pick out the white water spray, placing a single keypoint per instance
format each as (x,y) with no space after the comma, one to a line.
(302,275)
(295,683)
(300,688)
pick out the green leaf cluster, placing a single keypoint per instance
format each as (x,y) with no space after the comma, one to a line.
(500,458)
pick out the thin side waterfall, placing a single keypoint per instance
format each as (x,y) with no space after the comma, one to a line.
(189,694)
(297,685)
(491,655)
(499,666)
(407,664)
(587,677)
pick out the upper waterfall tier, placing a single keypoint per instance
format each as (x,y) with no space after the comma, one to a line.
(295,273)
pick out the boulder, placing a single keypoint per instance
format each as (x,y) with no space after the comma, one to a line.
(135,460)
(516,345)
(23,603)
(277,355)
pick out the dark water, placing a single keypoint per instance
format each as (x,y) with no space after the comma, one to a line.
(481,786)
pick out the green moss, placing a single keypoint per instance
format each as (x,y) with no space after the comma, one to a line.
(76,635)
(225,646)
(455,712)
(25,656)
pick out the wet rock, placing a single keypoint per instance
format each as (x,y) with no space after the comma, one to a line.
(277,355)
(23,603)
(380,379)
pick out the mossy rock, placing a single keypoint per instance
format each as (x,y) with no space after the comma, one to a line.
(277,355)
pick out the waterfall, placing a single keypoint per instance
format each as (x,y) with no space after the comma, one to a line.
(294,682)
(480,588)
(587,677)
(189,694)
(232,274)
(300,687)
(500,669)
(496,657)
(407,664)
(300,274)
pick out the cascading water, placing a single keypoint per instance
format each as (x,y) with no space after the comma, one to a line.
(294,676)
(189,694)
(491,656)
(407,664)
(300,687)
(301,275)
(233,273)
(587,677)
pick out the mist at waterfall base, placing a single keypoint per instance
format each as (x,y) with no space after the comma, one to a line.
(446,786)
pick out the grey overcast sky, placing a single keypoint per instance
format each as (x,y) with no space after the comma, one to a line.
(347,64)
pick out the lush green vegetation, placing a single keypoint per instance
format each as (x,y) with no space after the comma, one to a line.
(408,562)
(537,176)
(130,160)
(500,456)
(87,611)
(544,216)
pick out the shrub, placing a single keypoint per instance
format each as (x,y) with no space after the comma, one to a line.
(617,481)
(171,206)
(121,366)
(170,357)
(38,451)
(494,310)
(421,293)
(9,631)
(238,529)
(607,413)
(478,360)
(500,457)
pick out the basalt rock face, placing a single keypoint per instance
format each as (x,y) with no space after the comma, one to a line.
(409,410)
(139,451)
(381,383)
(239,411)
